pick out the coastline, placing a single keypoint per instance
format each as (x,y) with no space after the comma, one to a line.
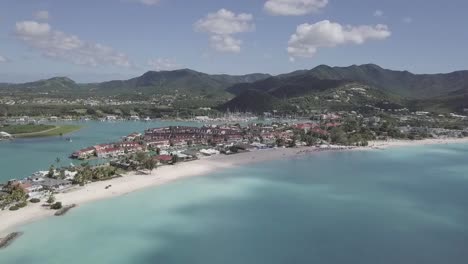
(384,144)
(131,182)
(53,132)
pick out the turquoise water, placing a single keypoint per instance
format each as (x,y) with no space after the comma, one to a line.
(21,157)
(394,206)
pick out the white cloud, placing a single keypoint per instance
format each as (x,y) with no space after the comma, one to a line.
(4,59)
(32,29)
(378,13)
(162,64)
(59,45)
(42,15)
(408,20)
(225,43)
(294,7)
(222,25)
(325,34)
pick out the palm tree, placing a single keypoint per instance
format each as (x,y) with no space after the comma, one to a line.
(150,164)
(51,199)
(51,171)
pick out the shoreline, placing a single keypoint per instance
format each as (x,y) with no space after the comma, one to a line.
(11,221)
(384,144)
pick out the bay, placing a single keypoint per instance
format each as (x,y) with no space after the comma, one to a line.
(401,205)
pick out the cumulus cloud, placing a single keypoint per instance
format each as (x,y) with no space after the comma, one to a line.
(225,43)
(163,64)
(59,45)
(378,13)
(294,7)
(222,25)
(41,15)
(3,59)
(325,34)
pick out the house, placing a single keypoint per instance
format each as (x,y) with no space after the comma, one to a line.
(84,153)
(109,153)
(209,152)
(27,186)
(305,126)
(132,137)
(53,184)
(162,144)
(164,159)
(193,153)
(135,118)
(129,147)
(110,118)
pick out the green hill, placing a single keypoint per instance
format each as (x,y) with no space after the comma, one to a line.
(303,90)
(253,101)
(176,82)
(402,83)
(185,82)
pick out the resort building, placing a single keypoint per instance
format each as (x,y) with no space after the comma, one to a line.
(5,135)
(84,153)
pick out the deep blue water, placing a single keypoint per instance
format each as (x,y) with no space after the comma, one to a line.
(404,205)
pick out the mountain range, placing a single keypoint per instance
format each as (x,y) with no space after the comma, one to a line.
(441,91)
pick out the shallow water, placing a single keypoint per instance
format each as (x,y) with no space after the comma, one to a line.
(402,205)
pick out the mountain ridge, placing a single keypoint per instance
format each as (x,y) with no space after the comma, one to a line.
(322,81)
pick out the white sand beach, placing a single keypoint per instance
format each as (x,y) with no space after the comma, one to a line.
(11,221)
(403,143)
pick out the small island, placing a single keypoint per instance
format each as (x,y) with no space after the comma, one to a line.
(39,130)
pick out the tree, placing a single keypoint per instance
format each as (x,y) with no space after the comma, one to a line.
(280,142)
(51,199)
(338,136)
(292,143)
(56,206)
(51,171)
(62,174)
(150,164)
(17,194)
(175,159)
(35,200)
(140,157)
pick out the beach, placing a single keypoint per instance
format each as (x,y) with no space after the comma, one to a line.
(132,181)
(383,144)
(11,221)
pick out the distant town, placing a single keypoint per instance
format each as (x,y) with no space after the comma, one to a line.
(144,151)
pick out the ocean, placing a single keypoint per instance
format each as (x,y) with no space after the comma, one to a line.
(400,205)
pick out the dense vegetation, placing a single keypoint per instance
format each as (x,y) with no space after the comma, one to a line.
(182,92)
(21,129)
(31,130)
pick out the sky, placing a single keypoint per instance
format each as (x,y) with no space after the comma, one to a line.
(99,40)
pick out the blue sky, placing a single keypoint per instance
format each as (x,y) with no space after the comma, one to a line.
(96,40)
